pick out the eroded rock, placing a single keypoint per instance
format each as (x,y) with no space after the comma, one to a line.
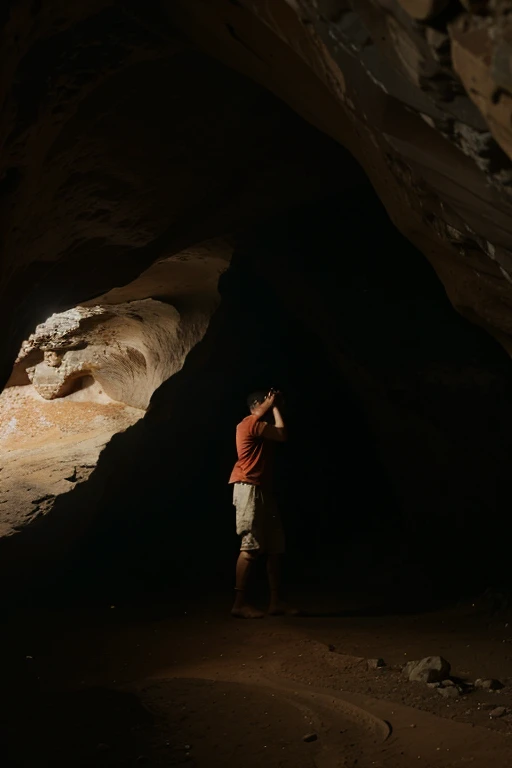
(129,349)
(376,663)
(452,692)
(489,684)
(431,669)
(498,712)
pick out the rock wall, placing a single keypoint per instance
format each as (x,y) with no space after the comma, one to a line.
(123,144)
(122,140)
(409,88)
(129,349)
(89,373)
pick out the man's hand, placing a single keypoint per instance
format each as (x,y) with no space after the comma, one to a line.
(267,404)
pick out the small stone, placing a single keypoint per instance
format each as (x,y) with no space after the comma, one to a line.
(310,737)
(448,683)
(449,693)
(498,712)
(375,663)
(490,684)
(433,685)
(406,671)
(431,669)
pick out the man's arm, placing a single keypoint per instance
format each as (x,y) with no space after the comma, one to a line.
(277,431)
(265,406)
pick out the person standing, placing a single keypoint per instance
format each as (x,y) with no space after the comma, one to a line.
(258,521)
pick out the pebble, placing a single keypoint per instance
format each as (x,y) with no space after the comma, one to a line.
(498,712)
(489,684)
(310,737)
(433,685)
(449,693)
(448,683)
(375,663)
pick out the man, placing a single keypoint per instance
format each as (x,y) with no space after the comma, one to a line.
(257,517)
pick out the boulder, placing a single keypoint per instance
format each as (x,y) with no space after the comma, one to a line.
(489,684)
(431,669)
(449,693)
(375,663)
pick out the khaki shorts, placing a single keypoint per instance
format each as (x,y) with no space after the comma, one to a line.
(257,520)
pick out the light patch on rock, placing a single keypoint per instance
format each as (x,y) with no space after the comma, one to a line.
(431,669)
(128,349)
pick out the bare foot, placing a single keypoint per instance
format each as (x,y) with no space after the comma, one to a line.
(247,612)
(282,609)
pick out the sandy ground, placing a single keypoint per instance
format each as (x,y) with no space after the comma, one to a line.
(187,685)
(47,447)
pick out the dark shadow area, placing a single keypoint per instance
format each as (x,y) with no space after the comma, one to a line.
(94,726)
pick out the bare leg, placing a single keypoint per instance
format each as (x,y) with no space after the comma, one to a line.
(277,606)
(241,609)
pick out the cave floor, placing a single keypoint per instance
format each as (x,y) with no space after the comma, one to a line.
(184,684)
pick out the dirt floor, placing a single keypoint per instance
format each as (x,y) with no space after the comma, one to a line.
(183,684)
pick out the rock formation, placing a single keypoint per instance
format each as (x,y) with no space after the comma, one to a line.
(413,90)
(97,366)
(129,349)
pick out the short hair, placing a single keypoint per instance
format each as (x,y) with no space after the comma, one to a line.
(256,398)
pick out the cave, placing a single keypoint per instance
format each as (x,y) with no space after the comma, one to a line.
(204,199)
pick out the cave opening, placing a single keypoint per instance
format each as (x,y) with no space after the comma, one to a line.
(383,470)
(379,373)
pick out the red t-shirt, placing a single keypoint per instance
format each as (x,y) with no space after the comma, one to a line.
(255,452)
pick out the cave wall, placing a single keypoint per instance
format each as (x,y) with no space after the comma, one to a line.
(123,141)
(129,349)
(409,88)
(123,144)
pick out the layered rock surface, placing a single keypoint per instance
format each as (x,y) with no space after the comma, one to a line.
(122,141)
(129,349)
(89,373)
(411,88)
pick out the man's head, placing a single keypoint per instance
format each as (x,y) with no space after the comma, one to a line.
(256,398)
